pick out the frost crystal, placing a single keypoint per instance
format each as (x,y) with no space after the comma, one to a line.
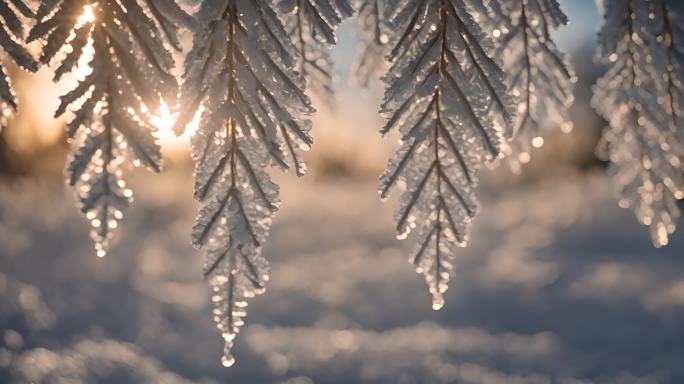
(129,73)
(239,76)
(311,28)
(370,61)
(447,98)
(11,35)
(539,76)
(641,97)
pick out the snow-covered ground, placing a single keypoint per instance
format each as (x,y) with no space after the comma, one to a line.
(559,285)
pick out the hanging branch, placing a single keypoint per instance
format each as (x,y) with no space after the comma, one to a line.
(311,28)
(669,63)
(643,141)
(239,76)
(370,63)
(11,38)
(129,73)
(446,97)
(539,75)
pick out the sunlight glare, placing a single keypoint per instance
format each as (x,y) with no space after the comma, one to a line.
(88,16)
(164,123)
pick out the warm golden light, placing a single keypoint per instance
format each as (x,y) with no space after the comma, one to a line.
(88,16)
(164,123)
(35,125)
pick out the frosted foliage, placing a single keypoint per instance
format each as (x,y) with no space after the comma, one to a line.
(12,15)
(447,98)
(641,97)
(129,71)
(239,77)
(539,76)
(311,28)
(370,63)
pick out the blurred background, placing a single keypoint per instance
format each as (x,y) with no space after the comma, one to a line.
(558,285)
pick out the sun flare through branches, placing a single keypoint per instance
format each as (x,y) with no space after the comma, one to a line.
(126,68)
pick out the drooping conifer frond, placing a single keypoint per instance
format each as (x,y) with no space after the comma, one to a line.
(12,15)
(640,96)
(129,73)
(669,63)
(311,28)
(447,98)
(370,63)
(539,75)
(240,75)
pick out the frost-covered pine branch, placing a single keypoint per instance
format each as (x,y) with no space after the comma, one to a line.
(641,97)
(240,75)
(11,39)
(447,98)
(121,40)
(539,75)
(670,64)
(311,28)
(370,64)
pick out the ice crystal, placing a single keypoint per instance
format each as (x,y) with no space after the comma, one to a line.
(129,73)
(311,28)
(447,98)
(11,37)
(641,97)
(539,75)
(239,76)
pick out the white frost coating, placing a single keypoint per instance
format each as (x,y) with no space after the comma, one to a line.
(239,75)
(311,28)
(447,98)
(539,75)
(12,14)
(130,71)
(641,96)
(370,63)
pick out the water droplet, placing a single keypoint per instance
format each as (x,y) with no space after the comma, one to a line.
(227,361)
(437,301)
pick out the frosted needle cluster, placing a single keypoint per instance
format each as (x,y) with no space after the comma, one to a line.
(446,97)
(538,74)
(641,97)
(128,66)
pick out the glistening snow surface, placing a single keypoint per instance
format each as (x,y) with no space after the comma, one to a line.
(559,284)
